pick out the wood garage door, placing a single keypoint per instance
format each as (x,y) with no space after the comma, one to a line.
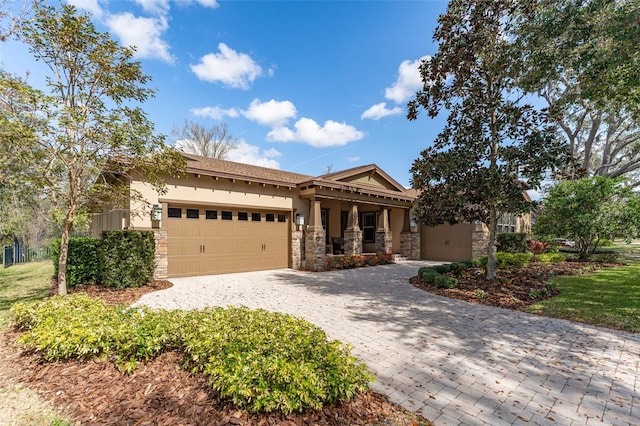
(446,242)
(209,240)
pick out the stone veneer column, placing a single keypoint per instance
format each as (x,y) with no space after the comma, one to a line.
(384,239)
(314,240)
(353,233)
(161,260)
(410,244)
(479,240)
(297,248)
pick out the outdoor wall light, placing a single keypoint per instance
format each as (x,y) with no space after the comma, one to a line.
(299,219)
(156,212)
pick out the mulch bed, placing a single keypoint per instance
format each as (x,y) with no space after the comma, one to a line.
(161,393)
(513,288)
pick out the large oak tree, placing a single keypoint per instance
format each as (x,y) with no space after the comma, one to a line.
(494,145)
(90,131)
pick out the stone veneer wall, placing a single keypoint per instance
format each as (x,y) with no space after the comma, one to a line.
(410,245)
(384,241)
(352,242)
(479,240)
(314,249)
(297,249)
(162,260)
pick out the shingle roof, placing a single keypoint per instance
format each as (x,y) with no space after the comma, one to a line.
(233,170)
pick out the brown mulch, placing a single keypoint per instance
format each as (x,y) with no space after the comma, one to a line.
(161,393)
(513,288)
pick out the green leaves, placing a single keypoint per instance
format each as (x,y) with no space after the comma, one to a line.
(588,210)
(260,360)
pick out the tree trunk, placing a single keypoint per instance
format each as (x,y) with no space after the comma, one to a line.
(62,262)
(491,244)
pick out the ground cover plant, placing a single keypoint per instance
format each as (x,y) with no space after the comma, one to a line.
(333,263)
(262,361)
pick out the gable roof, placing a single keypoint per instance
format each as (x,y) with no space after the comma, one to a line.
(347,180)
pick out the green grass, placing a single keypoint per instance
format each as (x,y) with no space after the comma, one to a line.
(608,298)
(24,282)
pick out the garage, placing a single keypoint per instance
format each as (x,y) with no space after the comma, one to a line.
(218,240)
(446,242)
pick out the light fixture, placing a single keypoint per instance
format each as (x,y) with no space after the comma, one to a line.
(299,219)
(156,212)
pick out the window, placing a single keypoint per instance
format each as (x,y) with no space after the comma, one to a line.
(193,213)
(369,227)
(506,223)
(243,216)
(227,215)
(211,214)
(270,217)
(174,212)
(282,218)
(256,217)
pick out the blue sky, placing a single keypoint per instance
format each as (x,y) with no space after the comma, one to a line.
(304,85)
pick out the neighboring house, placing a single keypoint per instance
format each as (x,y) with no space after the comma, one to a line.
(227,217)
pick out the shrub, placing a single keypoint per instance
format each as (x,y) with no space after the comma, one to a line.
(458,268)
(605,257)
(128,258)
(551,257)
(260,360)
(355,261)
(267,361)
(442,281)
(512,242)
(507,260)
(538,247)
(443,269)
(83,260)
(427,274)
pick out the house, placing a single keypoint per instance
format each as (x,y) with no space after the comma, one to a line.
(225,217)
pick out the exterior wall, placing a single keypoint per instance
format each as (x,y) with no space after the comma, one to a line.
(480,240)
(410,245)
(113,220)
(297,249)
(314,249)
(206,190)
(162,260)
(396,223)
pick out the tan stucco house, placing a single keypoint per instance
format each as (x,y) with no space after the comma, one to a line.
(224,217)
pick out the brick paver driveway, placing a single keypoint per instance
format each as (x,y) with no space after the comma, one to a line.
(453,362)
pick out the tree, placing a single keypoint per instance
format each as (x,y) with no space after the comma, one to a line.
(10,17)
(195,138)
(493,146)
(595,40)
(588,210)
(89,133)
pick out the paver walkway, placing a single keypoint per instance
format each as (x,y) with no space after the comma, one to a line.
(453,362)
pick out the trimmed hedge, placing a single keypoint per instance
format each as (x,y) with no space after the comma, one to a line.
(128,258)
(119,259)
(443,281)
(83,260)
(512,242)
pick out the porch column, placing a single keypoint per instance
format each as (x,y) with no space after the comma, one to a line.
(314,240)
(384,241)
(353,233)
(409,241)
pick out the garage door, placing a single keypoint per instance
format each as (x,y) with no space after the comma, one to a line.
(446,242)
(209,240)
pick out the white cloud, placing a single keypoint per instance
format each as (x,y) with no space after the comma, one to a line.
(251,154)
(407,83)
(143,33)
(271,113)
(91,6)
(234,69)
(208,3)
(309,132)
(353,159)
(216,112)
(379,111)
(155,7)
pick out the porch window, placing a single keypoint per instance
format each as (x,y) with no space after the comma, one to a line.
(369,227)
(506,223)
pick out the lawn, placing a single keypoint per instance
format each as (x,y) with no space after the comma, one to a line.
(27,281)
(21,406)
(607,298)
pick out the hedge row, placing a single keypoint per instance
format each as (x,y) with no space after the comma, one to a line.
(119,259)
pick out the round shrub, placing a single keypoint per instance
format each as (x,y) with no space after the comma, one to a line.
(443,269)
(442,281)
